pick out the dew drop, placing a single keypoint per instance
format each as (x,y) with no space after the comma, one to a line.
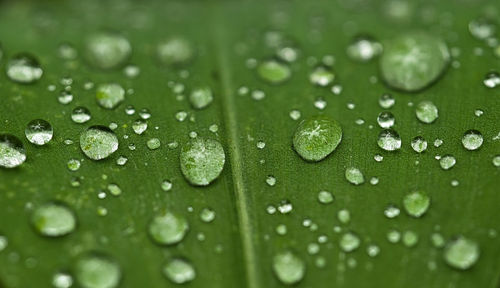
(354,176)
(73,164)
(461,253)
(481,28)
(317,137)
(139,126)
(419,144)
(174,51)
(62,280)
(153,143)
(363,49)
(12,153)
(426,112)
(288,267)
(495,161)
(168,228)
(95,270)
(201,97)
(166,185)
(53,220)
(386,101)
(389,140)
(349,242)
(24,68)
(98,142)
(274,72)
(207,215)
(325,197)
(321,76)
(39,132)
(472,140)
(393,236)
(65,97)
(179,271)
(447,162)
(107,50)
(492,79)
(416,203)
(410,238)
(110,95)
(385,119)
(80,115)
(271,180)
(391,211)
(344,216)
(372,250)
(202,161)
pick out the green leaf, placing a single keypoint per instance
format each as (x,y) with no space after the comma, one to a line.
(268,219)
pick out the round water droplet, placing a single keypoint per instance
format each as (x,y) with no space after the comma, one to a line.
(62,280)
(461,253)
(179,271)
(386,101)
(24,68)
(472,140)
(207,215)
(354,176)
(393,236)
(426,112)
(344,216)
(325,197)
(389,140)
(202,161)
(410,238)
(321,76)
(413,61)
(65,97)
(110,95)
(317,137)
(73,164)
(80,115)
(107,50)
(295,114)
(288,267)
(201,97)
(274,72)
(447,162)
(98,142)
(416,203)
(482,28)
(349,242)
(174,51)
(39,132)
(363,49)
(492,80)
(53,220)
(419,144)
(95,270)
(12,153)
(496,161)
(168,228)
(385,119)
(372,250)
(114,189)
(139,126)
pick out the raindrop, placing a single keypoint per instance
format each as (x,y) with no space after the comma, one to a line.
(80,115)
(325,197)
(107,50)
(447,162)
(274,72)
(419,144)
(363,49)
(202,161)
(139,126)
(472,140)
(179,271)
(53,220)
(98,142)
(207,215)
(97,271)
(201,97)
(39,132)
(389,140)
(110,95)
(385,119)
(24,68)
(168,228)
(413,61)
(317,137)
(354,176)
(153,143)
(65,97)
(288,267)
(426,112)
(461,253)
(73,164)
(321,76)
(416,203)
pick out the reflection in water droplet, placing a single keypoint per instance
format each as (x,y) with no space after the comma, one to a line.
(24,68)
(179,271)
(98,142)
(53,220)
(39,132)
(168,228)
(288,267)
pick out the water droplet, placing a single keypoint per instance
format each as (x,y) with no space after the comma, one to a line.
(98,142)
(24,68)
(201,97)
(313,248)
(80,115)
(482,28)
(288,267)
(385,119)
(53,220)
(261,144)
(73,164)
(174,51)
(413,61)
(114,189)
(166,185)
(386,101)
(393,236)
(139,126)
(281,229)
(391,211)
(492,80)
(363,49)
(472,140)
(496,161)
(122,160)
(65,97)
(419,144)
(131,71)
(168,228)
(271,180)
(478,112)
(438,142)
(153,143)
(372,250)
(416,203)
(287,53)
(354,176)
(378,158)
(325,197)
(12,153)
(39,132)
(110,95)
(258,95)
(321,76)
(461,253)
(349,242)
(144,114)
(285,207)
(437,240)
(410,238)
(95,270)
(181,116)
(202,161)
(447,162)
(389,140)
(107,50)
(344,216)
(274,72)
(3,242)
(179,271)
(426,112)
(317,137)
(62,280)
(207,215)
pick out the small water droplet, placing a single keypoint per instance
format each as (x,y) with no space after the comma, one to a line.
(39,132)
(202,161)
(354,176)
(285,207)
(98,142)
(274,72)
(363,49)
(495,161)
(73,164)
(472,140)
(391,211)
(447,162)
(80,115)
(492,79)
(389,140)
(426,112)
(317,137)
(179,271)
(321,76)
(372,250)
(349,242)
(24,68)
(139,126)
(168,228)
(482,28)
(258,95)
(325,197)
(281,229)
(410,238)
(201,97)
(419,144)
(207,215)
(65,97)
(416,203)
(288,267)
(261,144)
(53,220)
(62,280)
(461,253)
(153,143)
(344,216)
(271,180)
(110,95)
(378,157)
(131,71)
(437,240)
(166,185)
(386,101)
(385,119)
(174,51)
(393,236)
(12,153)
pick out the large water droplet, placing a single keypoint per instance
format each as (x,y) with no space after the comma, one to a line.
(12,153)
(461,253)
(174,51)
(472,140)
(426,112)
(108,50)
(416,203)
(274,72)
(53,220)
(317,137)
(39,132)
(179,271)
(413,61)
(389,140)
(168,228)
(98,142)
(201,97)
(97,271)
(24,68)
(288,267)
(110,95)
(202,161)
